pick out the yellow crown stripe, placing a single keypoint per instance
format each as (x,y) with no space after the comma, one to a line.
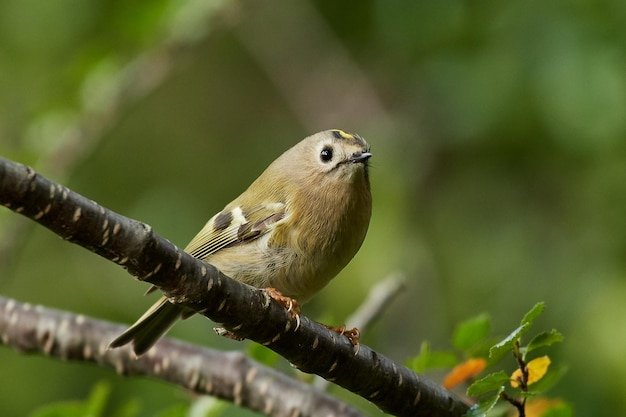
(340,134)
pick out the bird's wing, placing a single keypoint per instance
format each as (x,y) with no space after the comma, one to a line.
(232,227)
(235,226)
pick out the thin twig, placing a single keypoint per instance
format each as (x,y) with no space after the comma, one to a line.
(378,299)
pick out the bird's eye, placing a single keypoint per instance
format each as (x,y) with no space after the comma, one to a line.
(326,154)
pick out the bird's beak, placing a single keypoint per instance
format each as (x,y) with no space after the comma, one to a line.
(360,157)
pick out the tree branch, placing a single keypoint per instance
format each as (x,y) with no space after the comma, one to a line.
(67,336)
(242,309)
(378,298)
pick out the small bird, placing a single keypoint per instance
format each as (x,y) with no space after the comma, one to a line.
(297,225)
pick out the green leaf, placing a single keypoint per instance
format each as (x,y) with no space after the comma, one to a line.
(431,360)
(544,339)
(470,332)
(507,344)
(418,363)
(441,359)
(98,398)
(489,383)
(534,312)
(481,408)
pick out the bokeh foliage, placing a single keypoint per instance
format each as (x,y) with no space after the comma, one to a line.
(499,165)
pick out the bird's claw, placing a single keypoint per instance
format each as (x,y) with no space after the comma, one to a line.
(353,335)
(291,304)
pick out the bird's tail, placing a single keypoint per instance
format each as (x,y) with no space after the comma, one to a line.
(150,327)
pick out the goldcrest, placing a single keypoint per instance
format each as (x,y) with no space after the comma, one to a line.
(297,225)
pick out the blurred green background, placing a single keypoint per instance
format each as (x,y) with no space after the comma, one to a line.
(499,171)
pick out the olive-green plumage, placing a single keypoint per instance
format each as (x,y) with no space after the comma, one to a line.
(297,225)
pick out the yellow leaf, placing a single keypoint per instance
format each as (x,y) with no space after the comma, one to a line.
(537,368)
(463,371)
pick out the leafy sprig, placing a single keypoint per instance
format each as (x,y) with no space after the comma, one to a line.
(475,351)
